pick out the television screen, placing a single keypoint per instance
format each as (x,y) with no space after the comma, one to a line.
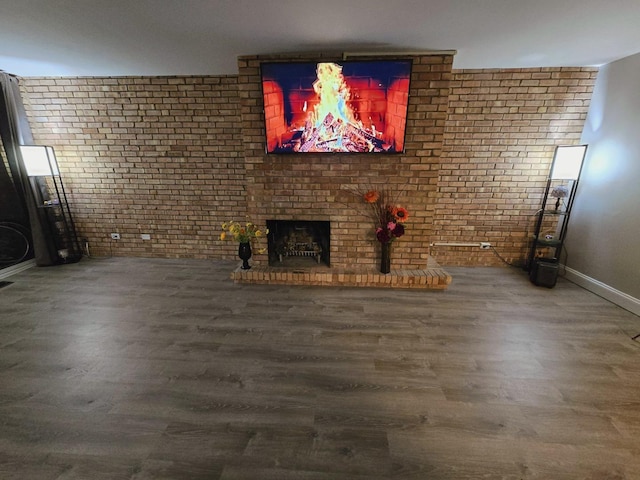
(336,107)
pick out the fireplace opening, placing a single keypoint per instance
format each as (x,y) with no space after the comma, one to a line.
(298,243)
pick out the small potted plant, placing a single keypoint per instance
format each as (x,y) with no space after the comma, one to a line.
(244,234)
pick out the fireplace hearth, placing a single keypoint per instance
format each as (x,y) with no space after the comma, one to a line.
(298,243)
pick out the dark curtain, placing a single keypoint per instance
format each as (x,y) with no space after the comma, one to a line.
(12,206)
(15,131)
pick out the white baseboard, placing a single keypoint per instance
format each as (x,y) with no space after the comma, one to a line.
(603,290)
(13,269)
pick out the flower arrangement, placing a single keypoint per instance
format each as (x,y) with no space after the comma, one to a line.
(388,217)
(559,192)
(241,233)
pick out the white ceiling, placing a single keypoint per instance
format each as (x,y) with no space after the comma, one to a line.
(180,37)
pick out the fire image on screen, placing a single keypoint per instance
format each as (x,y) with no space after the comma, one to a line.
(331,107)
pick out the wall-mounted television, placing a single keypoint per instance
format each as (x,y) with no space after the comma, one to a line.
(336,107)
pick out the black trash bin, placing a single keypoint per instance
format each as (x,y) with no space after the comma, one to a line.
(544,272)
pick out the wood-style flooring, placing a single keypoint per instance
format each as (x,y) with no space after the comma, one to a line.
(137,369)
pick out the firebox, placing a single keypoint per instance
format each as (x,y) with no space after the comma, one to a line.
(298,243)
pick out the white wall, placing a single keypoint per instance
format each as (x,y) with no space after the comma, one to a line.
(603,240)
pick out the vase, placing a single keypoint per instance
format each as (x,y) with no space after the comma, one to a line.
(385,258)
(244,252)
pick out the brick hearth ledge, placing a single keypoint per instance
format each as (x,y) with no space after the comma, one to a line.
(433,277)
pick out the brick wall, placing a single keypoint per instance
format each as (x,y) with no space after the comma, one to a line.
(176,156)
(499,138)
(145,155)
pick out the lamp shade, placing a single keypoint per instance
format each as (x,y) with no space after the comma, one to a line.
(39,160)
(567,162)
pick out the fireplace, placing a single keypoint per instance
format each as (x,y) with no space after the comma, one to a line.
(298,252)
(298,243)
(296,187)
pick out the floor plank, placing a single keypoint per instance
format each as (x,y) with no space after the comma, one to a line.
(136,369)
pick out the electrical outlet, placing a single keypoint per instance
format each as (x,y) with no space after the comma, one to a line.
(115,236)
(485,245)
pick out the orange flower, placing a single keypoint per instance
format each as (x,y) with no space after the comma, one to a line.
(401,214)
(371,196)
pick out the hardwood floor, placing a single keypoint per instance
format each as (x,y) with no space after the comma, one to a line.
(164,369)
